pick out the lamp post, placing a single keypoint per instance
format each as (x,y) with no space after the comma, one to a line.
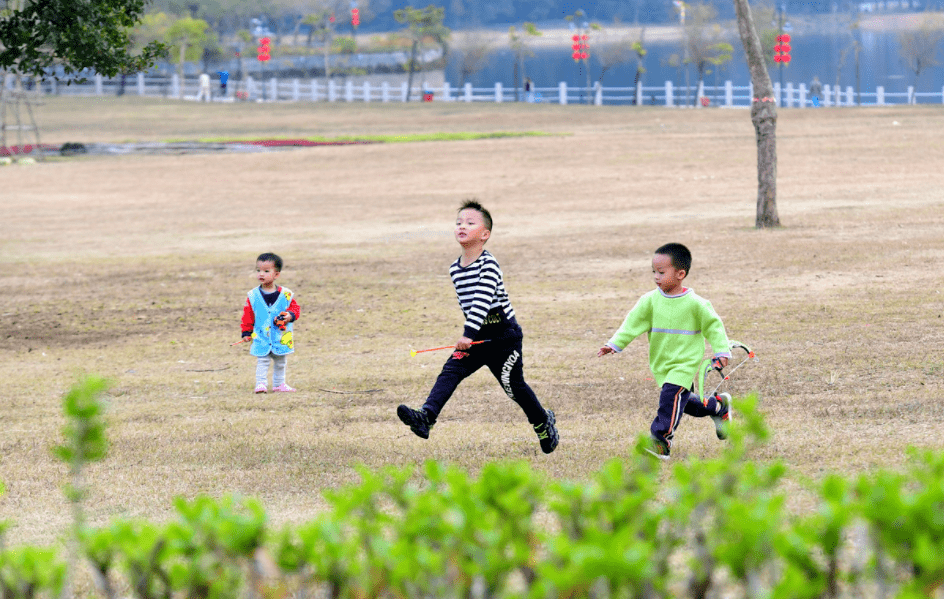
(581,47)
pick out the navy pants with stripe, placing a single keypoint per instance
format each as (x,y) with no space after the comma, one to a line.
(673,402)
(503,358)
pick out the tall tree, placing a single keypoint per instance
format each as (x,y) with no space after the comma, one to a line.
(706,41)
(521,48)
(37,36)
(187,38)
(477,49)
(763,116)
(422,25)
(918,47)
(614,52)
(323,22)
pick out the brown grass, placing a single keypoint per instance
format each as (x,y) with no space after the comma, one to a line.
(136,268)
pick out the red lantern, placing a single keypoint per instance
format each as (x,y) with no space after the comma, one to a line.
(264,49)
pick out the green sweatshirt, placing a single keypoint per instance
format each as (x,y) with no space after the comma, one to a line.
(678,327)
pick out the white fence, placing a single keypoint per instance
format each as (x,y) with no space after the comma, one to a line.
(316,90)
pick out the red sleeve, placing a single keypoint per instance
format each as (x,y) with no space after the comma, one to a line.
(249,318)
(294,309)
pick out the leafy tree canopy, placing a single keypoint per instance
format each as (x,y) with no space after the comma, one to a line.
(39,35)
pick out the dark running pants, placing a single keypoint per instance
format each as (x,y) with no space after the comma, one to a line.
(673,402)
(503,357)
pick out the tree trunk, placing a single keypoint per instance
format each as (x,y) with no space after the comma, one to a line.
(409,79)
(327,58)
(180,70)
(764,117)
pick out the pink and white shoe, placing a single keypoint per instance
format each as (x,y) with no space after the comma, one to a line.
(283,388)
(261,389)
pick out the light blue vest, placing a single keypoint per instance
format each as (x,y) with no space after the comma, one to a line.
(266,337)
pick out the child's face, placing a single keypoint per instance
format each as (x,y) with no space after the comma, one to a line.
(266,273)
(668,278)
(470,227)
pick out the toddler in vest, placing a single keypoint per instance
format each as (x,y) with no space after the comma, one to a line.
(268,316)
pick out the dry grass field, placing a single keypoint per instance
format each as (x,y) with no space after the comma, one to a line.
(136,268)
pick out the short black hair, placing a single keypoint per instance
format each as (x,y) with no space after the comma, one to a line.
(273,258)
(681,257)
(473,204)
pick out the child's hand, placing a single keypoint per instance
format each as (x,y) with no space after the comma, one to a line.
(464,343)
(606,349)
(282,319)
(719,362)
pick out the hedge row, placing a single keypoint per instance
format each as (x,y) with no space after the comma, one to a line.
(635,528)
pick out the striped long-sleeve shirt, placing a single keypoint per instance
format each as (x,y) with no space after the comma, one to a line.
(480,290)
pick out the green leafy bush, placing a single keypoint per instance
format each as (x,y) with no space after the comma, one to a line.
(635,528)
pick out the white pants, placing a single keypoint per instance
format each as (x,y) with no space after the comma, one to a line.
(278,369)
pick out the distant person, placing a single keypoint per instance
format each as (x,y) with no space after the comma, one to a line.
(204,93)
(816,91)
(224,78)
(268,315)
(677,323)
(529,90)
(490,336)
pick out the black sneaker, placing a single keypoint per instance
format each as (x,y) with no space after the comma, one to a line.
(654,448)
(723,418)
(547,433)
(417,420)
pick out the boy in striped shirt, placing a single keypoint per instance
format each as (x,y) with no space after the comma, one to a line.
(678,322)
(490,320)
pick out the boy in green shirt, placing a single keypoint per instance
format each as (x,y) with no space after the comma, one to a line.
(678,322)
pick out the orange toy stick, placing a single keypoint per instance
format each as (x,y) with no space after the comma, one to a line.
(243,340)
(413,352)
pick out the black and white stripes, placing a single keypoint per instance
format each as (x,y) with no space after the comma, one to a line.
(481,293)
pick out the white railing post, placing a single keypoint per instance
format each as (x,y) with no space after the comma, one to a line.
(314,90)
(669,100)
(447,91)
(942,95)
(638,94)
(384,92)
(880,95)
(911,95)
(699,94)
(728,93)
(366,92)
(789,95)
(778,99)
(468,92)
(850,96)
(140,84)
(274,88)
(598,95)
(801,102)
(332,91)
(499,94)
(827,101)
(174,86)
(296,90)
(98,85)
(404,92)
(562,92)
(348,91)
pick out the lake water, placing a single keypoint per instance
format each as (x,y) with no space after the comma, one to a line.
(813,54)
